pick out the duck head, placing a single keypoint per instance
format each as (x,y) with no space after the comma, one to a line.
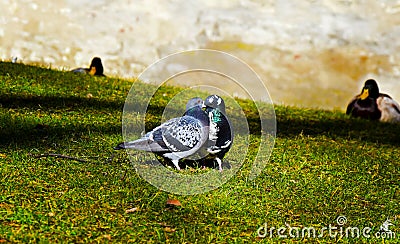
(96,67)
(370,89)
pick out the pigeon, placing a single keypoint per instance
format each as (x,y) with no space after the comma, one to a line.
(372,105)
(220,137)
(96,68)
(177,138)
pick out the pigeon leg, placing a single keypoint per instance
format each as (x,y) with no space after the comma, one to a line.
(175,162)
(219,164)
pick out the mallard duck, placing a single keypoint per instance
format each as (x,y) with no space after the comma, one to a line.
(95,68)
(373,105)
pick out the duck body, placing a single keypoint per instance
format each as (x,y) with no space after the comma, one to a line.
(373,105)
(390,109)
(95,68)
(366,109)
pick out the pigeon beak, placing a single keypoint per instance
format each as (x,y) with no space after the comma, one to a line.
(203,105)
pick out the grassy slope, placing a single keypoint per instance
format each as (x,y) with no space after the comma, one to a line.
(323,165)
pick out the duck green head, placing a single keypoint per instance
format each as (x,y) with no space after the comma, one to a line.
(96,67)
(370,89)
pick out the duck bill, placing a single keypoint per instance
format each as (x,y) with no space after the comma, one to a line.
(364,94)
(92,70)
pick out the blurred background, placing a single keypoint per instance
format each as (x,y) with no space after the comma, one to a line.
(309,53)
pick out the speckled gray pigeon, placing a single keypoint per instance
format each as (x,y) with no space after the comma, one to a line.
(176,138)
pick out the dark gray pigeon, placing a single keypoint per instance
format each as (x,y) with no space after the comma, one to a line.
(220,132)
(176,138)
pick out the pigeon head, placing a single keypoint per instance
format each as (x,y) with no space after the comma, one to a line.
(215,102)
(194,108)
(194,102)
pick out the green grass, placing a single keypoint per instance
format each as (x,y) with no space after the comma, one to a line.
(323,165)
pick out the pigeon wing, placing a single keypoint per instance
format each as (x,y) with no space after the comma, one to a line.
(184,135)
(152,141)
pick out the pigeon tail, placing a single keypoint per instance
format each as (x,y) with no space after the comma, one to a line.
(143,144)
(120,146)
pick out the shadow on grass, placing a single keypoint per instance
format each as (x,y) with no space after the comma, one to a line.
(20,128)
(21,133)
(56,102)
(25,132)
(341,128)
